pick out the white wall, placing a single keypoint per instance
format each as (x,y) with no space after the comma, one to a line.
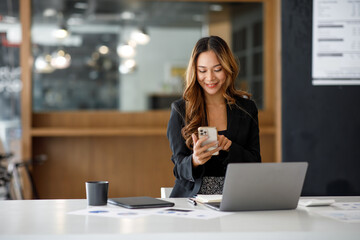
(168,46)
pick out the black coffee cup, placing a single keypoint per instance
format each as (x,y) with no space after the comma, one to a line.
(97,192)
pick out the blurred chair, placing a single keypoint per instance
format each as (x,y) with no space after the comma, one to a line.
(10,137)
(165,192)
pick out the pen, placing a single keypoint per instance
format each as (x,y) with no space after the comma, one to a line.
(192,201)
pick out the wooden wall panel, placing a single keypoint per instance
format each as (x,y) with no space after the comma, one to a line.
(99,119)
(267,148)
(134,166)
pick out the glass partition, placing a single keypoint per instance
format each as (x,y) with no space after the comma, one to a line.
(132,55)
(10,81)
(10,71)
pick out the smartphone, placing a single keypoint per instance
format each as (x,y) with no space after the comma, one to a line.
(211,132)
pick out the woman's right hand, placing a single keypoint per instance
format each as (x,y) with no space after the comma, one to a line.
(200,155)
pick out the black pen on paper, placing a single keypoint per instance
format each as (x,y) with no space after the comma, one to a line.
(192,201)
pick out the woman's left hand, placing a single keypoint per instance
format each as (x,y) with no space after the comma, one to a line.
(224,143)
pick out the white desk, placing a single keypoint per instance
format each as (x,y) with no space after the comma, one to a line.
(48,219)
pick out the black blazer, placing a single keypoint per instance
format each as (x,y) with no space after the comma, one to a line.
(242,130)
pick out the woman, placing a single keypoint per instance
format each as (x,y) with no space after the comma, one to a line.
(210,99)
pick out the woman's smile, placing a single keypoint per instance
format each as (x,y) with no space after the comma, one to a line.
(211,85)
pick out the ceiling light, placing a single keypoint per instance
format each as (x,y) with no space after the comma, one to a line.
(42,64)
(103,49)
(127,66)
(140,36)
(125,51)
(61,32)
(123,69)
(60,59)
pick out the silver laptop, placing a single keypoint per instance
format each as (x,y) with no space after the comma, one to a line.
(262,186)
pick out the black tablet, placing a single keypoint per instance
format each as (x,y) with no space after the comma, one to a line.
(140,202)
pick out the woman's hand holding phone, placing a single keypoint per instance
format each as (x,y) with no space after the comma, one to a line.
(203,150)
(211,135)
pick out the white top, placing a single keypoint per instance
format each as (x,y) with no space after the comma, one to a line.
(48,219)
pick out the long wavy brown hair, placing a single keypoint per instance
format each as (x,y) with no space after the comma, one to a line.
(195,114)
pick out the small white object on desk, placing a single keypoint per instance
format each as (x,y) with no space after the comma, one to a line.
(315,202)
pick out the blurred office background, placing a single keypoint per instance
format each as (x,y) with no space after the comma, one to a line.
(89,84)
